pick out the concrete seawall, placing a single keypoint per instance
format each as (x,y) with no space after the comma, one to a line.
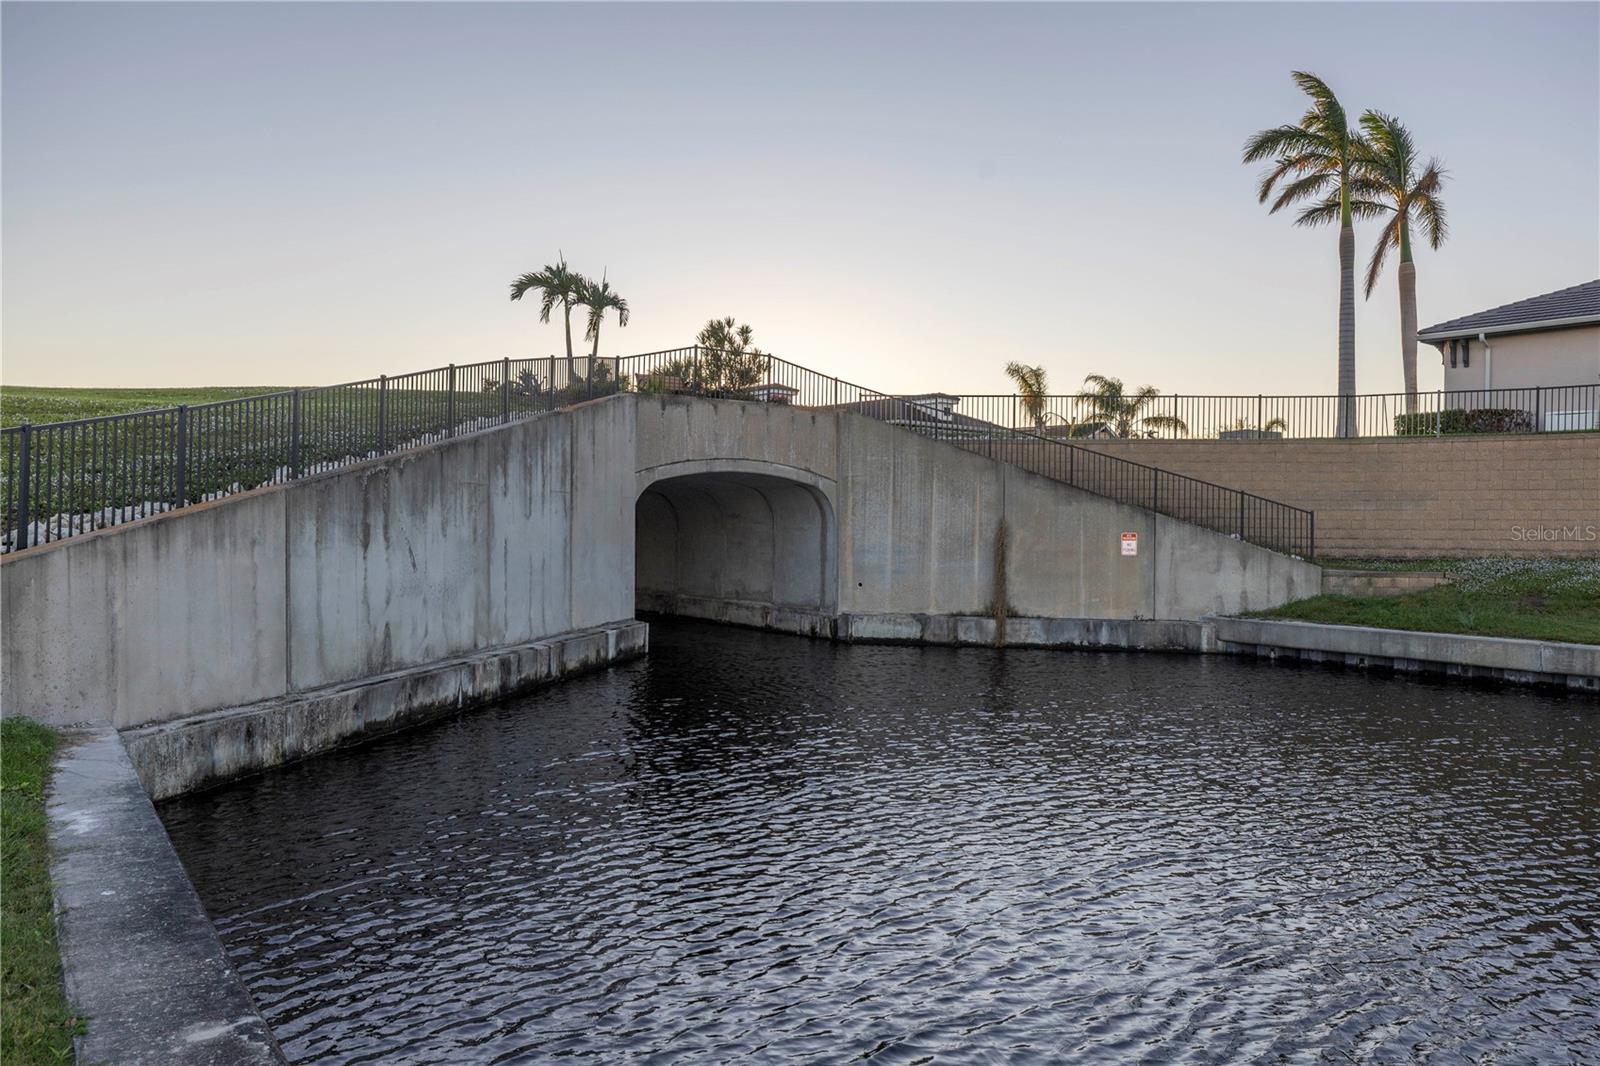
(208,749)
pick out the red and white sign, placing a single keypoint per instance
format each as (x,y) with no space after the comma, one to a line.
(1130,544)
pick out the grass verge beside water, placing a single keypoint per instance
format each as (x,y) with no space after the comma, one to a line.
(1535,599)
(36,1025)
(22,403)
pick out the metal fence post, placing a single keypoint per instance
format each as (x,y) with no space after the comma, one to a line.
(1155,488)
(180,489)
(450,405)
(1072,462)
(1241,516)
(1261,426)
(1311,537)
(383,413)
(1538,406)
(294,435)
(24,483)
(505,389)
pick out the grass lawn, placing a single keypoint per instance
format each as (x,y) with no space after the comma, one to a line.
(35,1024)
(20,403)
(1537,599)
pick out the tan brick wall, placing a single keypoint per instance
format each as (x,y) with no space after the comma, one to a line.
(1394,498)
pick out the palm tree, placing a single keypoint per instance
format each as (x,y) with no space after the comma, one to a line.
(1032,388)
(1317,156)
(1387,182)
(1108,402)
(555,284)
(599,298)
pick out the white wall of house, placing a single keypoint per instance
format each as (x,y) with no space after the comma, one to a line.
(1523,360)
(1554,375)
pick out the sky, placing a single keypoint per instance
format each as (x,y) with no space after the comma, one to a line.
(905,195)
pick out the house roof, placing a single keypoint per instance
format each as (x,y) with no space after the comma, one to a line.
(1576,306)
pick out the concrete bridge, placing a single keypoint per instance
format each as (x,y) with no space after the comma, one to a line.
(266,626)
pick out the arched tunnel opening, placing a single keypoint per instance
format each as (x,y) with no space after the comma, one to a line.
(735,547)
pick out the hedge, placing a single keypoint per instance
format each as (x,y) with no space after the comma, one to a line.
(1459,420)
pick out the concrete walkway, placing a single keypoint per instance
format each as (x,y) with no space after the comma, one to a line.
(140,958)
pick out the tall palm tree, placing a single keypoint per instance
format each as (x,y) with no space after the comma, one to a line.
(1109,401)
(1032,389)
(1314,161)
(1387,182)
(554,284)
(600,297)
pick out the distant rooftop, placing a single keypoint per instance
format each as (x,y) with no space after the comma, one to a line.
(1577,306)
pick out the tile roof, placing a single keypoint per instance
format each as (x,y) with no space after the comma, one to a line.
(1580,303)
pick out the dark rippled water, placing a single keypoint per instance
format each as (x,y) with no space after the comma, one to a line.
(756,848)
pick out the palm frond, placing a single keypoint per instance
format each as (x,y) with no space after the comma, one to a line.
(1171,422)
(1302,189)
(1321,213)
(1431,213)
(1283,141)
(1388,238)
(1326,113)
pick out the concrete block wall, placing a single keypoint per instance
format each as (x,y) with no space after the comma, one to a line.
(1535,494)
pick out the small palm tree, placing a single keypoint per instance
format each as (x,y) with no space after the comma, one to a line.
(1273,425)
(599,298)
(554,284)
(1318,155)
(1032,388)
(1387,182)
(1122,413)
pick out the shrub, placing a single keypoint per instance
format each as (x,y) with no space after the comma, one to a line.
(1458,420)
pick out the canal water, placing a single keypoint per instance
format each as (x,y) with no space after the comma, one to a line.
(759,848)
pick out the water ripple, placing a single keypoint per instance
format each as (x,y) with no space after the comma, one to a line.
(760,848)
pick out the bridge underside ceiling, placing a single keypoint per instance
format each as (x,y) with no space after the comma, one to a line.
(748,538)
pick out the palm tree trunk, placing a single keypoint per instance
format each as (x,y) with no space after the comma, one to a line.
(1347,330)
(1408,331)
(566,310)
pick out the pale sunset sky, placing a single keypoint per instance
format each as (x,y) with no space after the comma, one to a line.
(905,195)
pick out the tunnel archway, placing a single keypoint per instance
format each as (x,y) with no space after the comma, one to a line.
(737,544)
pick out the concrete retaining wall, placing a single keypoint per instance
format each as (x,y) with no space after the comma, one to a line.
(503,537)
(918,526)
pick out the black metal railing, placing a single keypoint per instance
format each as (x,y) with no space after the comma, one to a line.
(1531,409)
(65,478)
